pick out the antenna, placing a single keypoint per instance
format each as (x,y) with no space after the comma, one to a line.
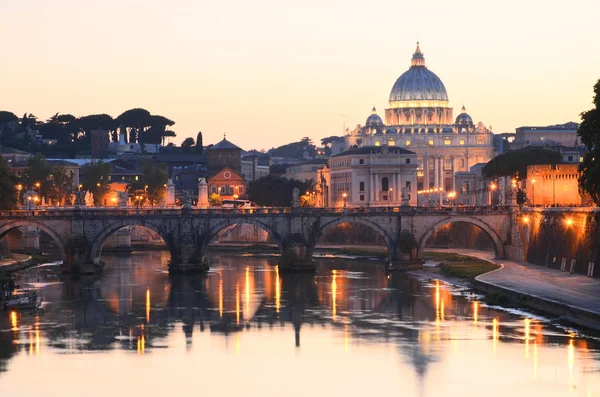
(344,128)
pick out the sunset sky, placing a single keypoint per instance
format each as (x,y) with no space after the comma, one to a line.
(268,72)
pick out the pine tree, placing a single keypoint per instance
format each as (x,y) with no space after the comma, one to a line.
(589,132)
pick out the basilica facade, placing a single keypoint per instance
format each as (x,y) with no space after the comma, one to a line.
(420,119)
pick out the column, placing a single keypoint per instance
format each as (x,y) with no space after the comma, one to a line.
(425,172)
(435,181)
(442,173)
(376,192)
(396,187)
(453,164)
(371,188)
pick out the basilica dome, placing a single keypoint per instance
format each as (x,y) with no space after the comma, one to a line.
(374,121)
(463,118)
(418,84)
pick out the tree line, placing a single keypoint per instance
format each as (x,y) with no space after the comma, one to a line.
(73,135)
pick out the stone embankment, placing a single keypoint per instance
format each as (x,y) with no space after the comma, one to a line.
(15,263)
(572,298)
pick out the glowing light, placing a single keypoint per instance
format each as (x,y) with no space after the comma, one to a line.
(437,299)
(148,305)
(569,222)
(527,332)
(525,219)
(247,294)
(571,362)
(334,294)
(495,334)
(13,321)
(237,304)
(475,312)
(37,342)
(277,290)
(221,297)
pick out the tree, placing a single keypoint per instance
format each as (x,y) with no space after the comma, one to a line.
(37,175)
(187,144)
(152,184)
(589,132)
(134,121)
(7,117)
(8,191)
(95,179)
(521,197)
(215,200)
(61,186)
(276,191)
(199,145)
(516,162)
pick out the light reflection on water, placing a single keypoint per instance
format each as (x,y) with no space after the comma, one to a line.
(349,329)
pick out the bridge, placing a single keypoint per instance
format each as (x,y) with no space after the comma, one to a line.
(80,233)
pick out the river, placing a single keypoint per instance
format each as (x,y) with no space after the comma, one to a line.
(245,329)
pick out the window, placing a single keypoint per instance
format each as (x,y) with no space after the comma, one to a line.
(362,197)
(385,184)
(361,161)
(480,140)
(581,159)
(377,143)
(430,142)
(407,161)
(570,158)
(361,186)
(392,142)
(137,178)
(408,186)
(447,141)
(461,142)
(407,143)
(241,190)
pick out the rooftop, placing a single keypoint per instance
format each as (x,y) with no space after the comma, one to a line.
(374,150)
(224,145)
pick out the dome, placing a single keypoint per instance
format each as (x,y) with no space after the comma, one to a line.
(463,118)
(418,83)
(374,121)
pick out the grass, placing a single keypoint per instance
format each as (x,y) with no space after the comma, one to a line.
(461,266)
(374,253)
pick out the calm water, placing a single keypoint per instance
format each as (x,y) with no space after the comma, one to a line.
(349,330)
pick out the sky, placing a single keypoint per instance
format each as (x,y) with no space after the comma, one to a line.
(269,72)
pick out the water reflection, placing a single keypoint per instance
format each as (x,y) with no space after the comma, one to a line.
(352,309)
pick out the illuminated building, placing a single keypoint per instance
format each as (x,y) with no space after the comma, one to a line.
(420,119)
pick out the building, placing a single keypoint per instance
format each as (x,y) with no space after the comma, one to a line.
(560,134)
(420,119)
(306,171)
(224,161)
(372,176)
(554,185)
(224,154)
(228,184)
(255,167)
(100,143)
(13,156)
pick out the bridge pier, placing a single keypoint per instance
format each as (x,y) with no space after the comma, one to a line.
(297,257)
(404,253)
(189,258)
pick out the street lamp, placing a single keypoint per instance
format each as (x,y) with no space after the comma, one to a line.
(344,197)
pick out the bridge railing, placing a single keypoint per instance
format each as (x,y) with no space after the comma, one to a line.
(177,211)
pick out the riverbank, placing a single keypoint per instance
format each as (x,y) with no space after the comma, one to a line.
(15,263)
(570,297)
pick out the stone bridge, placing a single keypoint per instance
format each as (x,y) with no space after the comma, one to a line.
(81,233)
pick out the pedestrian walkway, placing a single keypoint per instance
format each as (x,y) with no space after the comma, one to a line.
(571,290)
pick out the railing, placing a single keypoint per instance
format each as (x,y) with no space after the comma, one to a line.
(49,212)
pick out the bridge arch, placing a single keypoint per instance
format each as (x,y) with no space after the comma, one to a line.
(58,239)
(108,230)
(389,241)
(497,241)
(215,229)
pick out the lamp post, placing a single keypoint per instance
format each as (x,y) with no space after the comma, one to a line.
(492,189)
(344,197)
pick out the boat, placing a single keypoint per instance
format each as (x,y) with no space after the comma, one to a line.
(24,302)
